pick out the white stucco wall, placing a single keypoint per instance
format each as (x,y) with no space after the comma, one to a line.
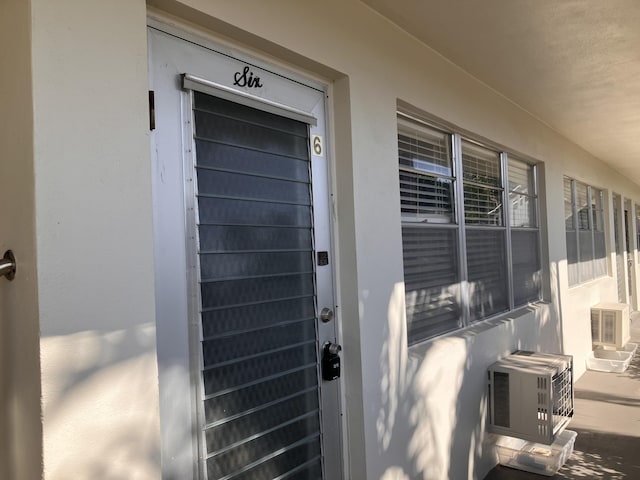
(20,427)
(411,413)
(422,408)
(94,238)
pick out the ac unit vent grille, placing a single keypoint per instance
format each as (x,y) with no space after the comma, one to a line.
(595,326)
(562,397)
(609,326)
(501,398)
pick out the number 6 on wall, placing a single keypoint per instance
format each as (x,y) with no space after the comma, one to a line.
(316,144)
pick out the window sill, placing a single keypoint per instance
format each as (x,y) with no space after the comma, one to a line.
(588,282)
(481,326)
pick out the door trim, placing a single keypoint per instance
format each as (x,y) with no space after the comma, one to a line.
(328,243)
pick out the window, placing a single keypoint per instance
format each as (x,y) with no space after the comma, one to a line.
(470,235)
(584,225)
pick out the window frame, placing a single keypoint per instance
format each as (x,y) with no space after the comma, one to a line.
(589,269)
(461,227)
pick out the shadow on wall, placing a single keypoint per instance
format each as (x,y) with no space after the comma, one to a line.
(433,395)
(100,395)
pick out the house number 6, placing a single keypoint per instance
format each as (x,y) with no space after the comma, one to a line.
(316,141)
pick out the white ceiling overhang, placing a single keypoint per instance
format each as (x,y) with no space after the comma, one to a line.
(574,64)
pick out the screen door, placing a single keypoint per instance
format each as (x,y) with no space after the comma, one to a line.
(257,271)
(257,290)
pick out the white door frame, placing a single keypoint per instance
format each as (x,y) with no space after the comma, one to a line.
(236,72)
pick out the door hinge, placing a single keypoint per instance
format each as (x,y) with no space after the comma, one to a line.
(152,111)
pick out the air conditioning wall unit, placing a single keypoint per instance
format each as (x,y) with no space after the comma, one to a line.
(610,325)
(531,395)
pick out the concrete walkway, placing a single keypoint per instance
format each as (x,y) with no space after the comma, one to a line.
(607,419)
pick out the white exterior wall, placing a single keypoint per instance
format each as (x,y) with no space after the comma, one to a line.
(411,413)
(94,239)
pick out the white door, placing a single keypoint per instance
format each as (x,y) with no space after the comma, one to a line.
(243,267)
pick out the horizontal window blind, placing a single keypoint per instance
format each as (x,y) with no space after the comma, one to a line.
(424,198)
(568,205)
(424,150)
(486,264)
(527,276)
(431,275)
(482,182)
(582,205)
(453,277)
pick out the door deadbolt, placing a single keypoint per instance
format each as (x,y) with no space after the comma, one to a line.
(330,361)
(326,315)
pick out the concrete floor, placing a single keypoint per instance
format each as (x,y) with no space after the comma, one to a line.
(607,420)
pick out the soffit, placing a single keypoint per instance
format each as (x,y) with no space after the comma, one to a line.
(574,64)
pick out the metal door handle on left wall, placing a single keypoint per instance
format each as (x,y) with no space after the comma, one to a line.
(8,265)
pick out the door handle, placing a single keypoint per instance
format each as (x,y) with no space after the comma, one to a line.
(8,265)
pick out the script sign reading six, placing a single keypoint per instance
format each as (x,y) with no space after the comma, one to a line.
(246,79)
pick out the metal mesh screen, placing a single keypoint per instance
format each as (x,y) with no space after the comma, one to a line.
(257,291)
(562,393)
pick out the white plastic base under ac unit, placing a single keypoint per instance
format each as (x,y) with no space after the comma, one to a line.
(535,457)
(605,360)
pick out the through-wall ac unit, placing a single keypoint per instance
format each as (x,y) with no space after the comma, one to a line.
(531,395)
(610,325)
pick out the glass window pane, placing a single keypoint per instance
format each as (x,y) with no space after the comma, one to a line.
(568,205)
(486,266)
(482,205)
(431,281)
(522,210)
(572,257)
(600,254)
(526,266)
(426,198)
(582,200)
(597,209)
(586,256)
(480,165)
(424,149)
(521,178)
